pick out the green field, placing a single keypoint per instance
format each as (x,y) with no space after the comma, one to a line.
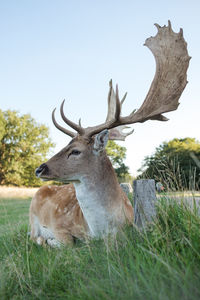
(163,263)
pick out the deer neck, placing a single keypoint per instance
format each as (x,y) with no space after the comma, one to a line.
(98,194)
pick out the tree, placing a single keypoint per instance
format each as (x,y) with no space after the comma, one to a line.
(117,154)
(176,164)
(24,144)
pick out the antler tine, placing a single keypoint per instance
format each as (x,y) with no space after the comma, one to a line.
(66,131)
(73,125)
(118,105)
(113,101)
(169,25)
(113,116)
(124,98)
(114,107)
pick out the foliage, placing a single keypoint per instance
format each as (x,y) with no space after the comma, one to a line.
(176,164)
(117,154)
(24,144)
(163,263)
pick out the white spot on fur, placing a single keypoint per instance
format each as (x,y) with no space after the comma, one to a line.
(44,234)
(53,243)
(41,231)
(39,240)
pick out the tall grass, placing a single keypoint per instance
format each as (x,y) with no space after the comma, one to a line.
(163,263)
(173,175)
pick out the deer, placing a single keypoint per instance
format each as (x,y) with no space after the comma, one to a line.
(91,203)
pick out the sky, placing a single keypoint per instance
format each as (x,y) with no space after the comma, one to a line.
(55,50)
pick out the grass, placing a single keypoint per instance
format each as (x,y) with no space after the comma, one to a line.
(163,263)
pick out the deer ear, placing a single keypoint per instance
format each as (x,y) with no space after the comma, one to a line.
(101,140)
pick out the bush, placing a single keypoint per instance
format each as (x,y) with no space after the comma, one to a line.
(24,145)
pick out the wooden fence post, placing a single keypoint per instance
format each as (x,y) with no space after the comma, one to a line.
(144,202)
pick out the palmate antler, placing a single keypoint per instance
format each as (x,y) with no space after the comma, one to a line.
(116,133)
(172,61)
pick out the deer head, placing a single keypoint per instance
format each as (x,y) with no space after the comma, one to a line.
(76,159)
(86,150)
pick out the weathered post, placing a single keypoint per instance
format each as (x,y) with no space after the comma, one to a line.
(144,202)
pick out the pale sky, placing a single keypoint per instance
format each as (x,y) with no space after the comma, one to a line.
(55,50)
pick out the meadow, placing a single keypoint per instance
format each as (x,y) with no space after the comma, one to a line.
(161,263)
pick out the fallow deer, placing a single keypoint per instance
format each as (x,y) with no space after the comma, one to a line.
(94,204)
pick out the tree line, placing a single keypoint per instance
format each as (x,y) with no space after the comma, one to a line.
(25,144)
(176,164)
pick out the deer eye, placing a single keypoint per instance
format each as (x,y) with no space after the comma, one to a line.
(75,152)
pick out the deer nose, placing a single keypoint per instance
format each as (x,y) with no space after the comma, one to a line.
(41,170)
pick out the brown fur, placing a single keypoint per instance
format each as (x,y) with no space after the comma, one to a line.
(57,208)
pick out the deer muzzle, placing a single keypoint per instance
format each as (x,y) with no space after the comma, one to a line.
(42,170)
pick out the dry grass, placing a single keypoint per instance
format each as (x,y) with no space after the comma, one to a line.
(16,192)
